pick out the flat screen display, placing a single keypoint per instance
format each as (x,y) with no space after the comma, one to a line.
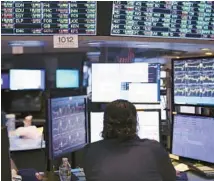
(194,81)
(68,130)
(163,19)
(21,79)
(135,82)
(148,128)
(5,81)
(193,136)
(48,18)
(67,78)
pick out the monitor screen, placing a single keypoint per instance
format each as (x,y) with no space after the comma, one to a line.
(193,136)
(148,125)
(21,79)
(135,82)
(163,19)
(4,81)
(67,78)
(67,125)
(48,18)
(194,81)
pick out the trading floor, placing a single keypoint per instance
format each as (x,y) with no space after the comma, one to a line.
(63,63)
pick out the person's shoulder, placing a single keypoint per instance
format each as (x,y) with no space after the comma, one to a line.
(151,143)
(95,144)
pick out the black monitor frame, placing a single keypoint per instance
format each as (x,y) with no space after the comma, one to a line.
(171,139)
(49,127)
(42,69)
(138,110)
(172,68)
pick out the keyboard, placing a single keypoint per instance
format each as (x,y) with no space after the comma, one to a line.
(181,176)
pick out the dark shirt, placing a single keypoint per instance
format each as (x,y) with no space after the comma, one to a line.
(133,160)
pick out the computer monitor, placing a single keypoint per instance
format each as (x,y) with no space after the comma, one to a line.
(67,78)
(5,81)
(135,82)
(193,81)
(193,137)
(67,125)
(149,125)
(26,79)
(5,156)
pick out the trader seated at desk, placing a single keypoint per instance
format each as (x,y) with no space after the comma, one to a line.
(122,155)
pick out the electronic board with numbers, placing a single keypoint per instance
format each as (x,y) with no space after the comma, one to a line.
(167,19)
(47,18)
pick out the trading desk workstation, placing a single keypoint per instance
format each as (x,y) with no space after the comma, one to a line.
(54,96)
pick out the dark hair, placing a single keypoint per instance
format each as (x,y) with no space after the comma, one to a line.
(120,120)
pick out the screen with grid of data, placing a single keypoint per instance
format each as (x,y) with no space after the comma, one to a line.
(166,19)
(193,137)
(194,81)
(46,18)
(135,82)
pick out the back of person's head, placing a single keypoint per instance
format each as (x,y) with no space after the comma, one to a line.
(120,120)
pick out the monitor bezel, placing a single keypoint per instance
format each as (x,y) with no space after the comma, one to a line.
(172,74)
(138,110)
(101,102)
(49,144)
(171,140)
(68,69)
(41,69)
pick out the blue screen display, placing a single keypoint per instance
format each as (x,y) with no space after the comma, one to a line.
(67,125)
(193,137)
(67,78)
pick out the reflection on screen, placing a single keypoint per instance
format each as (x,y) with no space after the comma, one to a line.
(27,79)
(148,125)
(4,81)
(136,82)
(67,78)
(193,137)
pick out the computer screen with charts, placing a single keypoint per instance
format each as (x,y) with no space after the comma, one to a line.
(26,79)
(67,125)
(194,81)
(149,125)
(67,78)
(135,82)
(193,137)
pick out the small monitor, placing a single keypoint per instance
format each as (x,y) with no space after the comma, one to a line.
(149,125)
(5,81)
(67,125)
(25,79)
(67,78)
(193,137)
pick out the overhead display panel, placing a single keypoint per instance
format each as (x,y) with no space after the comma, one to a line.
(48,18)
(166,19)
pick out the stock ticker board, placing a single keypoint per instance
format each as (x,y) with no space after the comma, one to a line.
(194,81)
(48,18)
(167,19)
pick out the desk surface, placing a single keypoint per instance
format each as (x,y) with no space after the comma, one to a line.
(191,177)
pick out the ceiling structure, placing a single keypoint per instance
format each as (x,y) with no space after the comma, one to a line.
(144,47)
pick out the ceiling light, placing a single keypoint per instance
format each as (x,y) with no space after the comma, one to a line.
(94,43)
(142,45)
(205,49)
(177,57)
(208,53)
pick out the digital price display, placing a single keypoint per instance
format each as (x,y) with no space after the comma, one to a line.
(47,18)
(167,19)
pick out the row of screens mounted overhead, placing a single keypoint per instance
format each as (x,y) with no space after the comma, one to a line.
(26,79)
(166,19)
(135,82)
(193,81)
